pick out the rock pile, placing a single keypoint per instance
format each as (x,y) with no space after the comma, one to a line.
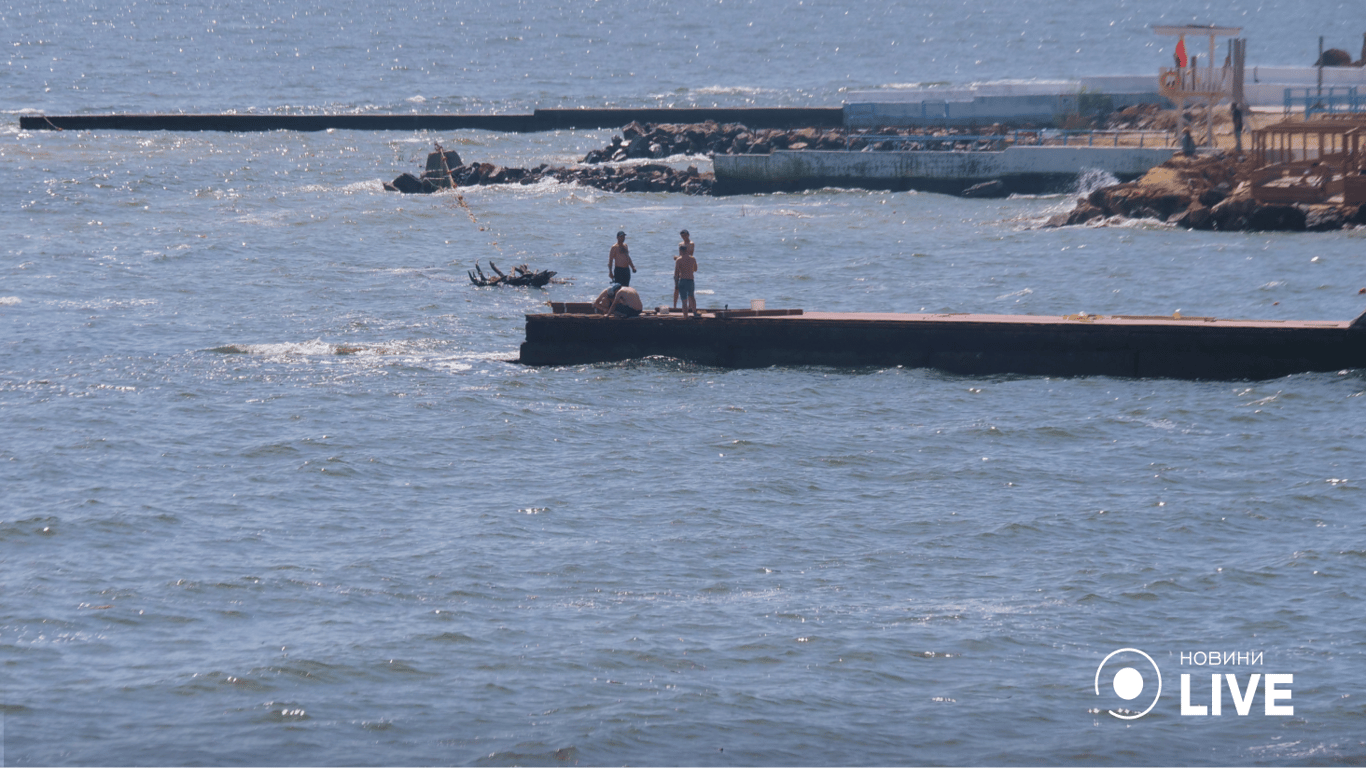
(665,140)
(657,141)
(1211,193)
(444,171)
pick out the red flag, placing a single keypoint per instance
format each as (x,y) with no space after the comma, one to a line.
(1181,52)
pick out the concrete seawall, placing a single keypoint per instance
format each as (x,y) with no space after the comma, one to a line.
(1043,101)
(540,120)
(1021,169)
(1187,348)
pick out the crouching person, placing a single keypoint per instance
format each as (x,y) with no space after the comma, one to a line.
(618,301)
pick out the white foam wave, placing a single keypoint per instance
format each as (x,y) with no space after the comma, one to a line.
(732,90)
(105,304)
(312,348)
(9,301)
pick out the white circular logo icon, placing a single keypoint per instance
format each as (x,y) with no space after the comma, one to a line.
(1128,681)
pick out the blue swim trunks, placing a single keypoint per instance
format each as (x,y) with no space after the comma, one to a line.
(686,286)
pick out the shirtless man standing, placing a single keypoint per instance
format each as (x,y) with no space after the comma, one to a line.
(685,267)
(685,244)
(619,265)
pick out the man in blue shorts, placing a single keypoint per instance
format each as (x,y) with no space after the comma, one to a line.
(685,267)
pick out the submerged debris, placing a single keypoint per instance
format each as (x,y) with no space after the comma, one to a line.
(521,276)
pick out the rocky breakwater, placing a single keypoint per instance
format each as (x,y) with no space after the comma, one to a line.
(660,140)
(610,168)
(1209,193)
(444,170)
(657,141)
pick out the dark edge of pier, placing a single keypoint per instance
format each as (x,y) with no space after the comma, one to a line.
(1127,347)
(539,120)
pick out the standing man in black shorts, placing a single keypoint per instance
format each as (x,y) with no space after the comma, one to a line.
(619,265)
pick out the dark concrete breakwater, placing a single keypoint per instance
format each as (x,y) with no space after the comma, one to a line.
(1077,345)
(539,120)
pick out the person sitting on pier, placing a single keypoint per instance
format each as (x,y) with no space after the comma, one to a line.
(626,303)
(604,300)
(619,264)
(685,268)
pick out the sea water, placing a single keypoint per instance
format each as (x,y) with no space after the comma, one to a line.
(274,490)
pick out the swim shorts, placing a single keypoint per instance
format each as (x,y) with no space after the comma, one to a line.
(622,275)
(686,287)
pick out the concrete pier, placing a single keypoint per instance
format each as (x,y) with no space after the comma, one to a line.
(1077,345)
(1030,169)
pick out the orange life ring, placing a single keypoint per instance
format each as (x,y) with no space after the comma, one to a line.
(1170,80)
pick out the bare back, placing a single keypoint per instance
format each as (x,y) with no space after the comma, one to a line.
(685,267)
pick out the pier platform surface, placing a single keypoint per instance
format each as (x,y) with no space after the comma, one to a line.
(1182,347)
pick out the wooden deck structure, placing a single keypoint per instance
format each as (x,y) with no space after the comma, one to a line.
(1311,161)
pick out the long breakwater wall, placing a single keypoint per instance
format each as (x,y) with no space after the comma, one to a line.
(540,120)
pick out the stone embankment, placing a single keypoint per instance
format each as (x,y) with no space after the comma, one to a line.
(1209,193)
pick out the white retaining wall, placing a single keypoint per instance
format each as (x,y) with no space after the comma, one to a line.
(785,167)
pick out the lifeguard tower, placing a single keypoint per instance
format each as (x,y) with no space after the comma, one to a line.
(1187,83)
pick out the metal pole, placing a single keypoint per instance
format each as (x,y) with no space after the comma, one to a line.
(1320,65)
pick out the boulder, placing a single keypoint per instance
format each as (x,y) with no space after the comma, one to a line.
(1334,57)
(434,162)
(993,188)
(408,184)
(1231,214)
(1197,216)
(1212,197)
(1276,218)
(639,147)
(1327,218)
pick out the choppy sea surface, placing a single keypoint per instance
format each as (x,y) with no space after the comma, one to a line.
(272,490)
